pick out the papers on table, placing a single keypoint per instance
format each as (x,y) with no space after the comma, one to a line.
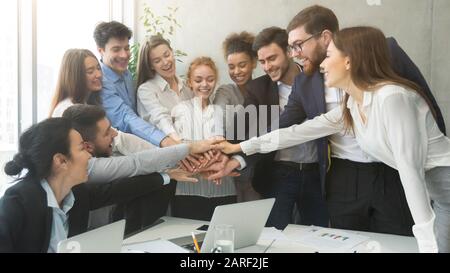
(329,240)
(272,233)
(155,246)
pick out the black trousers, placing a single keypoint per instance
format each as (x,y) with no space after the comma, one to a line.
(198,207)
(367,197)
(297,187)
(143,211)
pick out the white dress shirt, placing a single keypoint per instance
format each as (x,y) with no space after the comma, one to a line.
(194,123)
(155,101)
(343,146)
(399,131)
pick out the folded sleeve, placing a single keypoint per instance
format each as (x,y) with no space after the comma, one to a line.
(125,119)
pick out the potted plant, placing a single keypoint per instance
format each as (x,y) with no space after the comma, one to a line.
(154,24)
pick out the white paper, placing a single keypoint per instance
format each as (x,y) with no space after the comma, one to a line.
(271,234)
(155,246)
(332,240)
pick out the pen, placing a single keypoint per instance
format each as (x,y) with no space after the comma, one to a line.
(195,242)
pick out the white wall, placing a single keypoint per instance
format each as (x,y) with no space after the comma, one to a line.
(420,27)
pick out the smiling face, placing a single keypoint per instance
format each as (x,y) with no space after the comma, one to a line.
(336,68)
(240,67)
(116,54)
(163,61)
(103,143)
(313,50)
(93,74)
(202,81)
(78,161)
(274,61)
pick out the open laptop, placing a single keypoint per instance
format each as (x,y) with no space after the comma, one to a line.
(105,239)
(248,220)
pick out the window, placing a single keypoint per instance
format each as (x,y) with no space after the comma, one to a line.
(9,83)
(71,27)
(34,41)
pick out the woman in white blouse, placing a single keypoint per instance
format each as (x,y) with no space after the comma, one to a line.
(392,122)
(197,119)
(80,81)
(159,88)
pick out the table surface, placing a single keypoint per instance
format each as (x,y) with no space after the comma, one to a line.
(177,227)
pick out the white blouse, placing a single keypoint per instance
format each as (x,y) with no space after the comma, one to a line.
(155,101)
(61,107)
(194,123)
(399,131)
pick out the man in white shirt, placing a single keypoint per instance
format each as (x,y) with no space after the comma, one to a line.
(98,135)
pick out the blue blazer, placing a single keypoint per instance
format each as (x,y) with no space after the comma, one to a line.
(307,99)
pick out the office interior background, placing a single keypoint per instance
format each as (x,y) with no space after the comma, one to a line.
(36,33)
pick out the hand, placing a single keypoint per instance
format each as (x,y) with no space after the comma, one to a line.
(199,147)
(221,170)
(168,141)
(181,175)
(210,157)
(191,163)
(227,148)
(175,137)
(207,174)
(218,165)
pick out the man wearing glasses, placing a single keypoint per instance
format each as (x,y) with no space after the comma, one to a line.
(290,175)
(361,194)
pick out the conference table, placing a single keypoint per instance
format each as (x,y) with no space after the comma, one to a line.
(287,241)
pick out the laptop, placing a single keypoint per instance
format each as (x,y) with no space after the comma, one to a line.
(248,220)
(105,239)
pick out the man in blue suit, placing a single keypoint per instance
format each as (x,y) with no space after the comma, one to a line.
(361,194)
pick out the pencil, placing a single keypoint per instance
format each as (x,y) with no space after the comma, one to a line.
(195,242)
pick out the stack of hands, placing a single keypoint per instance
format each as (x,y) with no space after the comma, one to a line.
(209,159)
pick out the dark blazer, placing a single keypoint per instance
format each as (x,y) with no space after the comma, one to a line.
(307,99)
(260,91)
(26,220)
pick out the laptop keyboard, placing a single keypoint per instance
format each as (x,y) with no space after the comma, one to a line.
(187,243)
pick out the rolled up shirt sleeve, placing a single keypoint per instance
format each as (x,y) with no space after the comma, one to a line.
(124,118)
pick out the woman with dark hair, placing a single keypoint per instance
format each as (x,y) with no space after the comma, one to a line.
(392,122)
(34,212)
(241,61)
(51,201)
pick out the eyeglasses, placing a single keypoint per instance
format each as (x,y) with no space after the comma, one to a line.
(298,47)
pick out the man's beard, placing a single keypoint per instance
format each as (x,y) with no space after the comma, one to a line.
(317,58)
(99,153)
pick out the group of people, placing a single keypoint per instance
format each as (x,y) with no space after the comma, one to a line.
(363,143)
